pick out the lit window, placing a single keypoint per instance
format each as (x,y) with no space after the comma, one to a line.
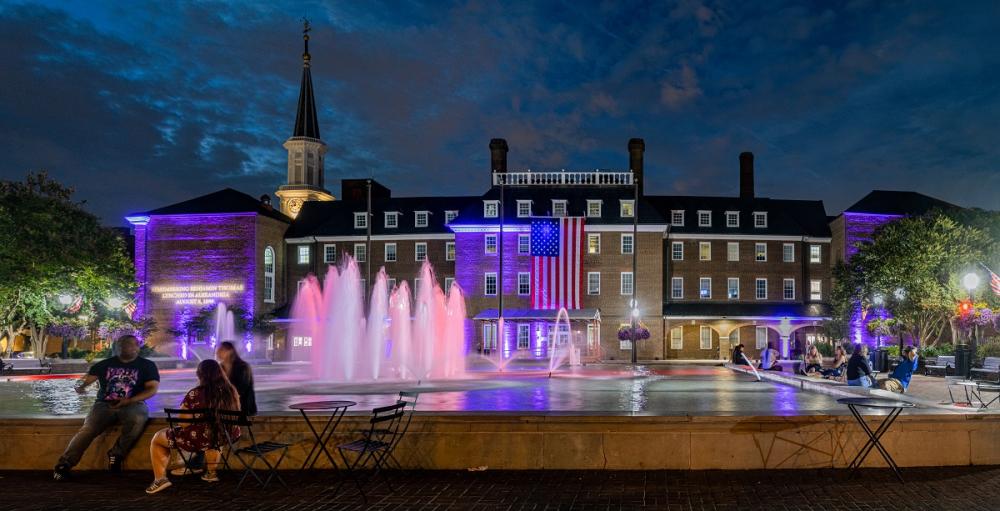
(330,254)
(391,220)
(449,251)
(788,289)
(523,208)
(269,275)
(814,254)
(732,219)
(450,215)
(491,208)
(594,208)
(677,338)
(733,251)
(491,243)
(558,207)
(627,284)
(760,219)
(677,251)
(788,252)
(448,282)
(593,283)
(489,336)
(705,288)
(677,288)
(490,284)
(303,254)
(360,252)
(523,336)
(761,337)
(421,218)
(733,288)
(627,244)
(760,289)
(627,208)
(523,283)
(420,251)
(760,252)
(390,252)
(524,244)
(361,220)
(594,243)
(704,219)
(705,251)
(815,290)
(677,217)
(706,338)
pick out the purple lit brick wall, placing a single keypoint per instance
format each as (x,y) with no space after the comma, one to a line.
(858,229)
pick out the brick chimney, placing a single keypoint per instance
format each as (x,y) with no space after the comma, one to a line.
(746,175)
(498,155)
(636,148)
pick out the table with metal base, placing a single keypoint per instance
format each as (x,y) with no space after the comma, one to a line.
(895,407)
(337,409)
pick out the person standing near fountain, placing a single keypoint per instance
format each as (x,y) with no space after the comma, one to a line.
(125,382)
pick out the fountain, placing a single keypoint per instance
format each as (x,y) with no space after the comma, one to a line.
(401,338)
(562,350)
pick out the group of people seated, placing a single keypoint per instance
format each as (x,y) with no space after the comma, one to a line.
(126,381)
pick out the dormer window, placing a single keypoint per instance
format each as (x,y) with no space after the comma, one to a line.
(558,207)
(360,220)
(421,218)
(704,218)
(523,208)
(760,219)
(491,208)
(732,218)
(391,219)
(594,208)
(677,218)
(627,208)
(450,215)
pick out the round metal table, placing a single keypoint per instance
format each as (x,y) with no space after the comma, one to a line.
(895,407)
(338,408)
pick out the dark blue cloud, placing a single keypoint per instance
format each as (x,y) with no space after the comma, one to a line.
(142,106)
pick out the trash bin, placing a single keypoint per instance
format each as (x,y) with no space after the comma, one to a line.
(881,360)
(963,360)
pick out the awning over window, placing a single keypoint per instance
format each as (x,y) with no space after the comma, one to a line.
(540,314)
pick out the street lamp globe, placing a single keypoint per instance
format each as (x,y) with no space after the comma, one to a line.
(65,299)
(878,299)
(900,293)
(970,281)
(635,313)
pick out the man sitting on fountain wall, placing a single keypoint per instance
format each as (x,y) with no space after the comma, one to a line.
(125,382)
(900,378)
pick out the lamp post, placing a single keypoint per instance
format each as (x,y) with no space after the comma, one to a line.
(965,351)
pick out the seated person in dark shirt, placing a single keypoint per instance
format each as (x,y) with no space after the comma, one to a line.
(738,357)
(859,372)
(839,364)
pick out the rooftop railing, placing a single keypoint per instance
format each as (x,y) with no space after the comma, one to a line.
(563,178)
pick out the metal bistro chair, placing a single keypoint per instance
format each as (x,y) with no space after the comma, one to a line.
(255,451)
(410,398)
(375,446)
(181,417)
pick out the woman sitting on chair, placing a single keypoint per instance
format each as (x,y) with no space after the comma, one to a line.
(213,392)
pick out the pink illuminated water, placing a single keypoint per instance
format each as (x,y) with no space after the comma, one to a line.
(402,337)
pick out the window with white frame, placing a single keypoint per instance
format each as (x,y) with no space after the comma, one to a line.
(523,208)
(677,217)
(330,254)
(491,208)
(594,243)
(627,284)
(300,284)
(417,282)
(360,252)
(733,288)
(420,251)
(733,251)
(303,254)
(391,219)
(760,252)
(523,283)
(704,218)
(760,289)
(594,208)
(449,251)
(523,336)
(705,336)
(788,289)
(448,281)
(705,288)
(760,219)
(815,290)
(361,220)
(814,254)
(390,283)
(490,284)
(627,208)
(450,215)
(489,336)
(734,337)
(558,207)
(760,334)
(788,252)
(704,250)
(627,243)
(593,283)
(677,251)
(269,275)
(421,218)
(677,338)
(390,252)
(302,341)
(732,218)
(490,244)
(524,244)
(677,288)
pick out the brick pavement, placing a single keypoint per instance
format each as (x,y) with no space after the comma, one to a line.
(965,488)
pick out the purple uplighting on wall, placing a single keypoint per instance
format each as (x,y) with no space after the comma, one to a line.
(859,228)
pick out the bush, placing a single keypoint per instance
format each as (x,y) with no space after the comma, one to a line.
(945,349)
(78,353)
(930,351)
(825,348)
(893,350)
(988,350)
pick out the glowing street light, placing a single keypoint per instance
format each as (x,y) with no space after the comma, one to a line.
(970,281)
(65,299)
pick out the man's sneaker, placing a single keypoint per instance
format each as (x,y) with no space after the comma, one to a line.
(210,477)
(158,486)
(183,471)
(61,472)
(114,463)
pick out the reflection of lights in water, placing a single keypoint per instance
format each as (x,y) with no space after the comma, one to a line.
(58,397)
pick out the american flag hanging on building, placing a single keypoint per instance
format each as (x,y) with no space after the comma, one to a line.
(556,262)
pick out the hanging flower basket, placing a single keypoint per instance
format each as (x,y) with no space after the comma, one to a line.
(641,333)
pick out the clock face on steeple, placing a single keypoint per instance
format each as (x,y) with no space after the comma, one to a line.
(294,205)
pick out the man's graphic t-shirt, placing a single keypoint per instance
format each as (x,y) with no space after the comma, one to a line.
(119,380)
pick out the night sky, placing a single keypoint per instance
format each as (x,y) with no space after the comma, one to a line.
(138,105)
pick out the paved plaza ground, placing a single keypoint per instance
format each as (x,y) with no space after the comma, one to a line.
(958,488)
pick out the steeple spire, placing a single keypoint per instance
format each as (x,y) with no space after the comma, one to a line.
(306,122)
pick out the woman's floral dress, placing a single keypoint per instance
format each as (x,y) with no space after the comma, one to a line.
(197,437)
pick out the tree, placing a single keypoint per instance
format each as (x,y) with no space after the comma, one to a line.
(51,247)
